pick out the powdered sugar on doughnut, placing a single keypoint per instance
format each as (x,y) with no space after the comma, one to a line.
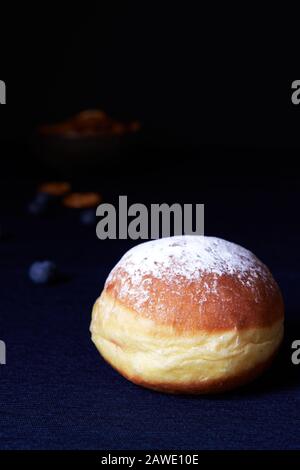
(195,282)
(188,256)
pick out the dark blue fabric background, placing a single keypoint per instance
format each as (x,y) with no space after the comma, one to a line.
(55,390)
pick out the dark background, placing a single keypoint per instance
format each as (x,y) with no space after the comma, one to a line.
(213,94)
(200,82)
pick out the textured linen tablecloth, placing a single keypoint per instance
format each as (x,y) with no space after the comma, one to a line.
(57,393)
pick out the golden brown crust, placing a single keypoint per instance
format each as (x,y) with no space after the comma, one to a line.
(190,315)
(201,388)
(160,358)
(229,303)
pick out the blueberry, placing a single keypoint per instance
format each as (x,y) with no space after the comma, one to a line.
(40,204)
(43,198)
(88,217)
(43,272)
(36,209)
